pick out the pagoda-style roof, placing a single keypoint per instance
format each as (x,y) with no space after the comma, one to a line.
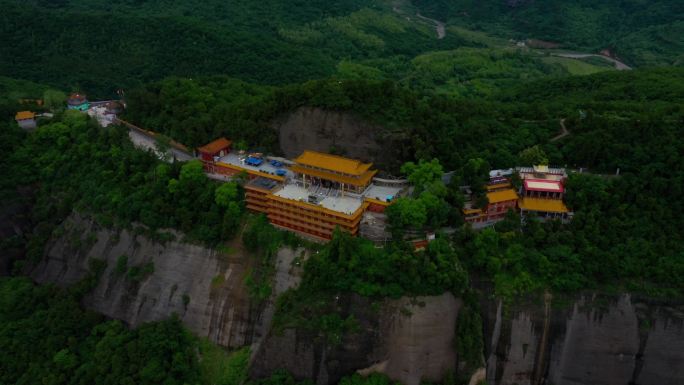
(333,163)
(24,115)
(215,146)
(76,99)
(361,180)
(543,205)
(502,196)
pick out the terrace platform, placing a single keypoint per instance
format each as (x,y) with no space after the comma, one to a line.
(329,199)
(266,167)
(382,193)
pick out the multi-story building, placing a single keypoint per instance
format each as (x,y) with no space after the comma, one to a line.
(542,192)
(332,171)
(325,192)
(312,195)
(501,197)
(543,198)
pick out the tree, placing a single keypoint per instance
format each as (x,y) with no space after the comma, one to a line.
(226,194)
(533,156)
(191,177)
(192,172)
(423,174)
(436,209)
(54,100)
(407,213)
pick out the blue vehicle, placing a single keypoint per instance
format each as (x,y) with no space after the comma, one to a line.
(252,161)
(281,172)
(276,163)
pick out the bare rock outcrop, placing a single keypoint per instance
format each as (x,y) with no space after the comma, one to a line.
(311,128)
(588,339)
(594,339)
(410,340)
(205,288)
(419,339)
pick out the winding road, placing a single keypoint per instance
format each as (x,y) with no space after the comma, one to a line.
(439,26)
(564,131)
(620,66)
(404,9)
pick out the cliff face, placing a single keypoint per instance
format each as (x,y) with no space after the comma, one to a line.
(408,339)
(203,287)
(310,128)
(590,339)
(594,339)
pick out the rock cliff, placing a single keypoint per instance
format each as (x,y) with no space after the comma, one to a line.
(310,128)
(593,339)
(588,339)
(204,287)
(408,339)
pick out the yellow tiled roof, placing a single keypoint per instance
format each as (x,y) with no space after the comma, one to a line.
(471,211)
(333,163)
(362,180)
(543,205)
(497,186)
(502,196)
(21,115)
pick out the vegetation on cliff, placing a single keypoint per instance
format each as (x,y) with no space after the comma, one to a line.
(466,103)
(74,164)
(47,338)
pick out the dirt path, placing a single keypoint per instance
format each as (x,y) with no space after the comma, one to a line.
(564,131)
(620,66)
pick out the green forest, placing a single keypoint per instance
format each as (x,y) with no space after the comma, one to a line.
(463,104)
(642,33)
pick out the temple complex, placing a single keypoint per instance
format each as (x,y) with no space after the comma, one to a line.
(312,194)
(541,195)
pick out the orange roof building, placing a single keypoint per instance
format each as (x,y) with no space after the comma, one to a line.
(501,197)
(23,115)
(26,119)
(218,147)
(542,194)
(541,205)
(333,171)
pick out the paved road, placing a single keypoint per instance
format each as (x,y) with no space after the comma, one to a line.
(147,143)
(620,66)
(439,26)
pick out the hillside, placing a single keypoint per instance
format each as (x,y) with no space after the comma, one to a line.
(100,46)
(206,269)
(642,33)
